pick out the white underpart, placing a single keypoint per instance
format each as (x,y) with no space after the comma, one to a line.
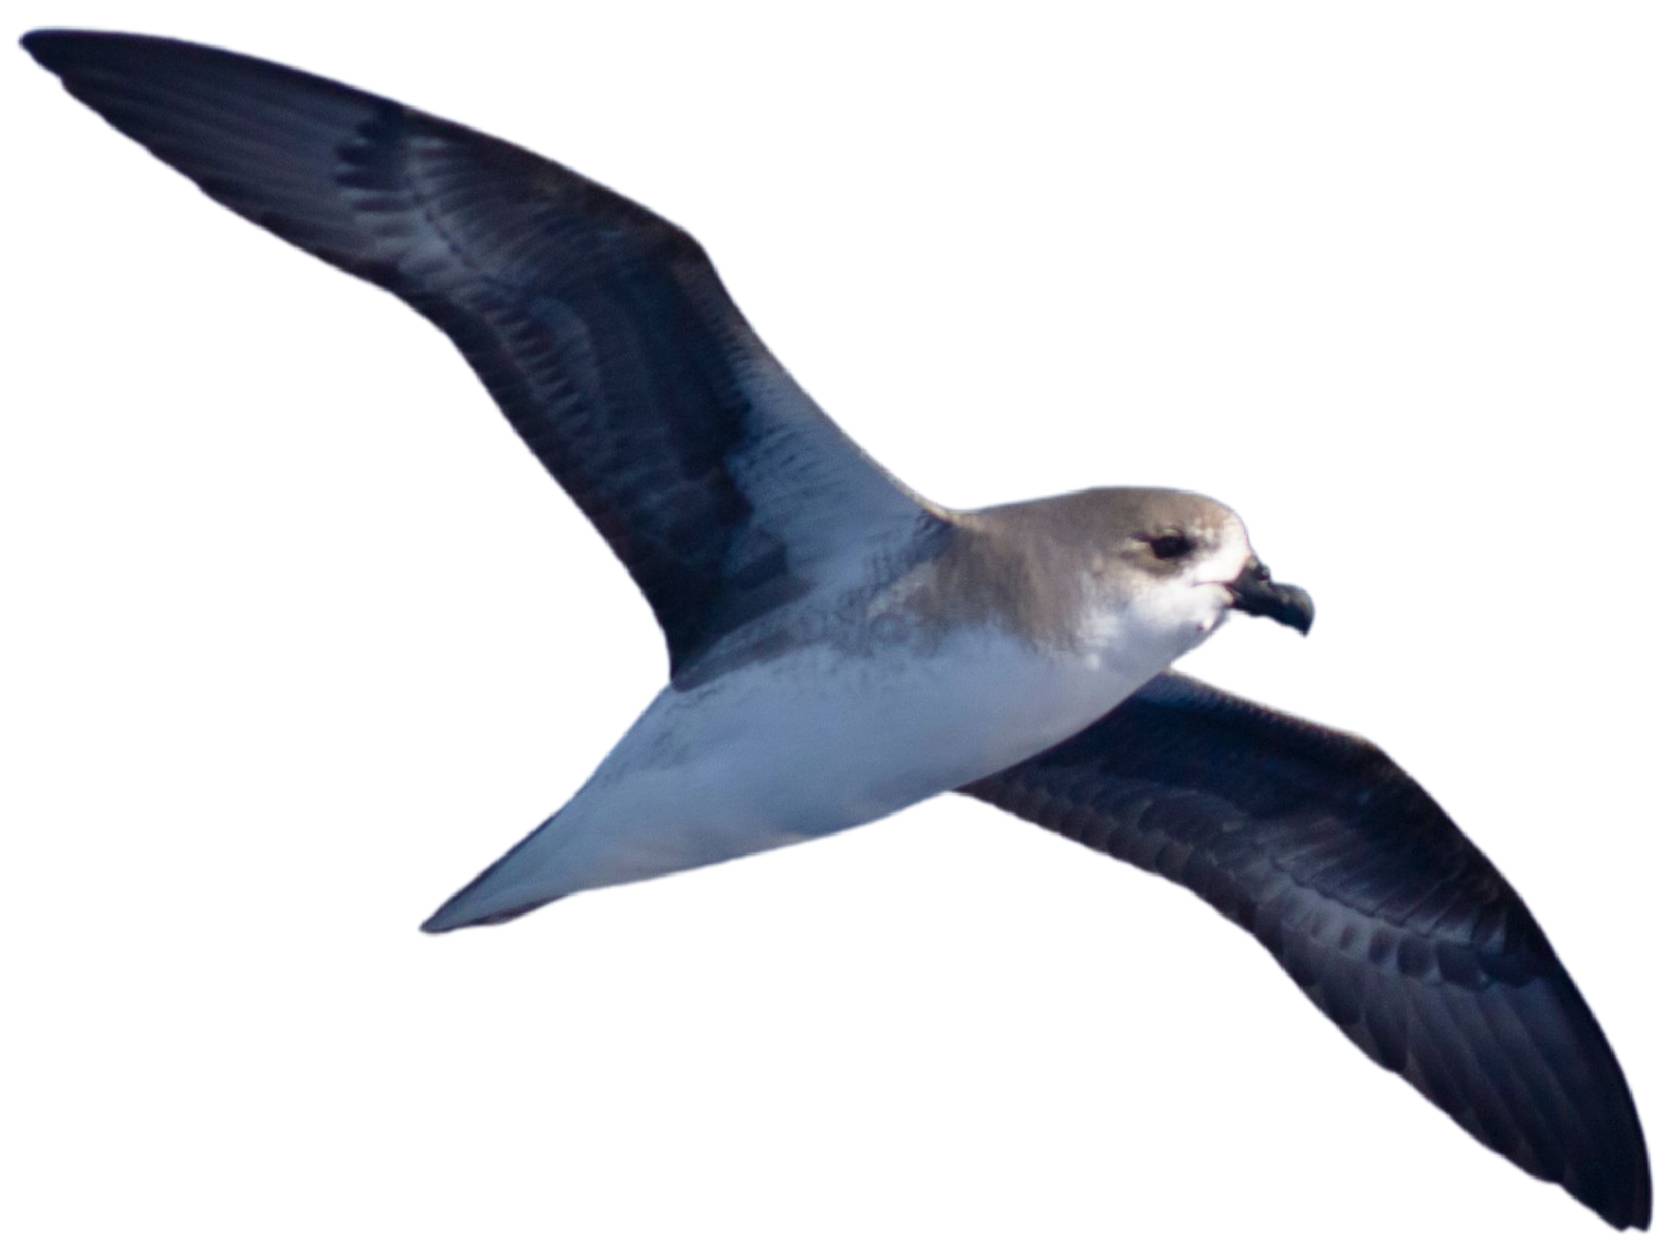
(819,740)
(803,745)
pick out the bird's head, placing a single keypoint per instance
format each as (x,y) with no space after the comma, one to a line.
(1177,562)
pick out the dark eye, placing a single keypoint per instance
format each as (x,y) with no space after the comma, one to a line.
(1169,545)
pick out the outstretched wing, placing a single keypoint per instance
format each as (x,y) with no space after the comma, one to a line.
(600,329)
(1373,901)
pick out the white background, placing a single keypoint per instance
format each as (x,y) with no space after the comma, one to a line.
(297,637)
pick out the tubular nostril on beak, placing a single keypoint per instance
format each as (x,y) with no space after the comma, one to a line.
(1253,592)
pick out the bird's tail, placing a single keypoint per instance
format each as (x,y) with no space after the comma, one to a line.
(634,831)
(510,886)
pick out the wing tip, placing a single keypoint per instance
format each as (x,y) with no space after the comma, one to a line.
(77,56)
(59,47)
(47,44)
(1631,1207)
(1633,1215)
(1619,1189)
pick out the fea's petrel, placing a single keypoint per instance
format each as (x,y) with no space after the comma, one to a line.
(840,648)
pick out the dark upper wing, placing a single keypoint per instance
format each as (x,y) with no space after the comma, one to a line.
(600,329)
(1382,911)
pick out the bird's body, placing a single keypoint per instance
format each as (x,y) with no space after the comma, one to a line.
(840,648)
(800,745)
(857,701)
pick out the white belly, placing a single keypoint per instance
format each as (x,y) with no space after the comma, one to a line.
(820,740)
(796,747)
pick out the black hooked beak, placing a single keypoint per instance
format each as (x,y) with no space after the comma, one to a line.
(1253,592)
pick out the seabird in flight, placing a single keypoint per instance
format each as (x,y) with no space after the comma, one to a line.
(840,648)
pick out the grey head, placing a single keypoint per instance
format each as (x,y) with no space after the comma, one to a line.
(1179,541)
(1131,568)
